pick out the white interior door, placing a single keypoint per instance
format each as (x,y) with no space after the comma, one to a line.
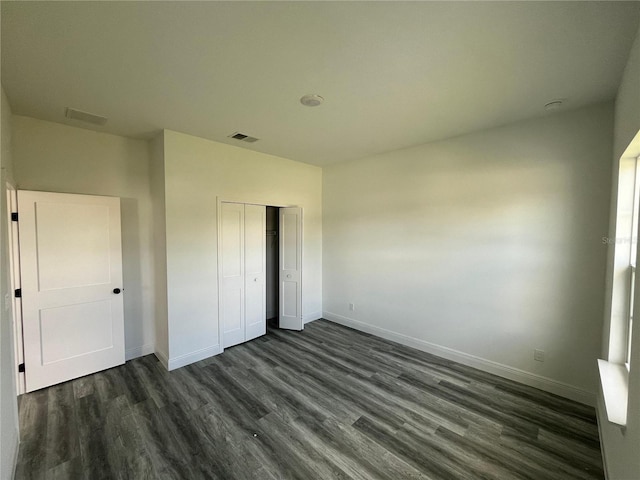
(232,273)
(291,268)
(255,248)
(71,279)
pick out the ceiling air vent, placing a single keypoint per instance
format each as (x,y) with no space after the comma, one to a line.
(243,138)
(86,117)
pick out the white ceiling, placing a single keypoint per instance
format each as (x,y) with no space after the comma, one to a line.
(393,74)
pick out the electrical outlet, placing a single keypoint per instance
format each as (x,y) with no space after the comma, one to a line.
(538,355)
(352,307)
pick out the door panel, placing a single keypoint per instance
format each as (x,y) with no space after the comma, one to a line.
(91,324)
(255,270)
(291,269)
(88,246)
(290,296)
(232,265)
(232,311)
(290,232)
(70,264)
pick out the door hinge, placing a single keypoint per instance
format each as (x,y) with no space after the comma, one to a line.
(18,293)
(21,368)
(14,216)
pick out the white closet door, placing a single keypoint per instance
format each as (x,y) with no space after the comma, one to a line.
(255,224)
(291,268)
(71,272)
(232,277)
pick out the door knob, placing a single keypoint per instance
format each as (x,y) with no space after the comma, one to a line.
(116,291)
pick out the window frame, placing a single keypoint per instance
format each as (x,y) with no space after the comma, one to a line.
(633,251)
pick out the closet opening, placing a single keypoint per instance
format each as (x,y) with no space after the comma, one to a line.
(272,267)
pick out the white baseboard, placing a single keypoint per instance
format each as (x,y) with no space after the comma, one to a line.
(311,317)
(189,358)
(162,358)
(16,448)
(527,378)
(600,414)
(141,351)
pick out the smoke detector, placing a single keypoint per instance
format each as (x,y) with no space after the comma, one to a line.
(86,117)
(311,100)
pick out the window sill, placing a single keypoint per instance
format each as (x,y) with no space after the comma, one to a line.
(614,379)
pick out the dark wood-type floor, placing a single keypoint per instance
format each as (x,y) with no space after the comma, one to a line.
(326,403)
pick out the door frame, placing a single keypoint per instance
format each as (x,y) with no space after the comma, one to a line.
(14,284)
(219,201)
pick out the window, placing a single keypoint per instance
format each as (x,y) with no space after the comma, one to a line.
(616,369)
(633,251)
(627,359)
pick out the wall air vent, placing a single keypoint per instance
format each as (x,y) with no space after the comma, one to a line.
(243,138)
(86,117)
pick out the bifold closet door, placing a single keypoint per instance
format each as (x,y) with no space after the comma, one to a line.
(242,259)
(232,265)
(255,269)
(291,269)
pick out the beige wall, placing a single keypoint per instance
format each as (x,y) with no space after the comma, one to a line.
(8,394)
(157,180)
(183,176)
(480,248)
(198,172)
(59,158)
(620,447)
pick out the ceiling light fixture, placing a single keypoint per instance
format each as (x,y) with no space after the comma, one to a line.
(554,105)
(311,100)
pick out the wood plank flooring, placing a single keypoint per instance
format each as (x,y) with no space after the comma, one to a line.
(326,403)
